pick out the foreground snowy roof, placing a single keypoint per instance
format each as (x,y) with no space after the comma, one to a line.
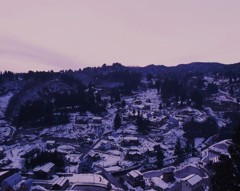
(193,179)
(159,183)
(61,181)
(87,179)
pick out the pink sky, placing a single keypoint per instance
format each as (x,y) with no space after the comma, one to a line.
(63,34)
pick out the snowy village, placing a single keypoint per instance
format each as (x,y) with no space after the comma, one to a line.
(148,139)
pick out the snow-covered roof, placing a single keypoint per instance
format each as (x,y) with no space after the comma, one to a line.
(97,118)
(88,179)
(130,138)
(45,168)
(50,142)
(3,172)
(215,159)
(27,183)
(135,173)
(159,183)
(193,179)
(61,181)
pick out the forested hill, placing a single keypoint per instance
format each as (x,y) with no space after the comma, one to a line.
(45,93)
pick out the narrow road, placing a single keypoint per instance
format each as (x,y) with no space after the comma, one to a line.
(109,177)
(90,148)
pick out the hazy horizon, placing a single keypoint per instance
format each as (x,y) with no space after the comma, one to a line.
(61,34)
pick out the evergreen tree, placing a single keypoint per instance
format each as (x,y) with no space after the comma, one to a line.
(117,121)
(142,124)
(223,180)
(179,152)
(229,178)
(149,77)
(160,157)
(115,95)
(123,103)
(197,97)
(212,88)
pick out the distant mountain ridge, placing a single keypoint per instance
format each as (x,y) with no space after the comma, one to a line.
(194,67)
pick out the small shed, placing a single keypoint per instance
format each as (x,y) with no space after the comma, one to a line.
(44,172)
(135,178)
(51,144)
(134,155)
(97,120)
(168,174)
(131,141)
(60,184)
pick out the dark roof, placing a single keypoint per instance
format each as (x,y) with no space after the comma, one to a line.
(12,180)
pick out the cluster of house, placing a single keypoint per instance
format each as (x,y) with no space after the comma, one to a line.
(168,181)
(212,154)
(191,177)
(43,176)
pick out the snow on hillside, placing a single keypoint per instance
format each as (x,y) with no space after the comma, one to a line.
(4,100)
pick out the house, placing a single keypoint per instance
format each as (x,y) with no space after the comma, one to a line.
(88,182)
(135,178)
(168,174)
(212,154)
(86,166)
(87,142)
(133,155)
(193,182)
(158,184)
(106,145)
(26,185)
(151,152)
(97,120)
(30,152)
(60,184)
(51,144)
(4,175)
(44,172)
(82,120)
(130,141)
(11,182)
(72,160)
(94,156)
(138,102)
